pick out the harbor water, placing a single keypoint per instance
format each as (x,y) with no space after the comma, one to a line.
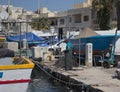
(42,83)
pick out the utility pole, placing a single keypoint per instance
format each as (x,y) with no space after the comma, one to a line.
(8,10)
(9,7)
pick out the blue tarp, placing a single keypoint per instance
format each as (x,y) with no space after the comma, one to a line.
(31,38)
(43,45)
(49,42)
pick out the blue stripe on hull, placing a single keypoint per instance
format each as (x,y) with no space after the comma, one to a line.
(1,74)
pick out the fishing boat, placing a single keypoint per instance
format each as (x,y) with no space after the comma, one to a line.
(15,74)
(102,44)
(112,32)
(2,37)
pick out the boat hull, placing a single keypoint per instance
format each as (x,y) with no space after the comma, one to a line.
(100,44)
(14,87)
(15,78)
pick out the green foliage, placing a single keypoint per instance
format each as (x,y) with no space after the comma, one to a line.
(104,10)
(41,24)
(103,16)
(117,2)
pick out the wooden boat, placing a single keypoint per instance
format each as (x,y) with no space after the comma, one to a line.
(15,74)
(100,43)
(2,38)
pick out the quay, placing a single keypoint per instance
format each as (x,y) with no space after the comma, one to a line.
(83,79)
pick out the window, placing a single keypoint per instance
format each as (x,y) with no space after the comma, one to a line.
(53,22)
(86,18)
(62,21)
(70,19)
(77,18)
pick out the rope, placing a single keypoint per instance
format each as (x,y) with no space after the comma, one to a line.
(83,85)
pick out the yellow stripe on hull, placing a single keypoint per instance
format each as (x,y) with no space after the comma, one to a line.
(2,39)
(28,64)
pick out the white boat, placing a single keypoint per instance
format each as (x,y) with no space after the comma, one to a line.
(15,74)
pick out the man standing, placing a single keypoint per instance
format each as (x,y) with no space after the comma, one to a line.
(68,55)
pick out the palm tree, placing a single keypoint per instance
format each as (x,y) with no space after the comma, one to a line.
(118,13)
(103,9)
(41,24)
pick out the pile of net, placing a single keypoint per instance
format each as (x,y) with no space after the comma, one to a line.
(6,53)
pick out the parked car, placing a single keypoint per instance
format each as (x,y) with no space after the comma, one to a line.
(59,45)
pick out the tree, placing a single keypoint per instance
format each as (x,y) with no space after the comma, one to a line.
(41,24)
(117,3)
(104,10)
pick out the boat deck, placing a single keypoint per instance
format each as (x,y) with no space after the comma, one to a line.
(6,61)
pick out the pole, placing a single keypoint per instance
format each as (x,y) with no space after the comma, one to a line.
(8,25)
(52,31)
(38,6)
(20,39)
(8,8)
(26,39)
(69,27)
(79,51)
(114,45)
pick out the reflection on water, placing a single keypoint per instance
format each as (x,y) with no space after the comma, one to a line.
(42,83)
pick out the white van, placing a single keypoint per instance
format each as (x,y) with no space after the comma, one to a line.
(61,44)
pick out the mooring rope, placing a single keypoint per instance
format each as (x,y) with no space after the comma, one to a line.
(65,82)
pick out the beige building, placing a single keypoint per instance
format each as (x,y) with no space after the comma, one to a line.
(16,12)
(88,3)
(70,20)
(79,17)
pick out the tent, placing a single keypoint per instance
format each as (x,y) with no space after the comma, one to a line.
(31,38)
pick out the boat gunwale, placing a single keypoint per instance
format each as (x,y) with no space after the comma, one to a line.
(29,64)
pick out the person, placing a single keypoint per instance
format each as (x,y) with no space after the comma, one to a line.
(68,55)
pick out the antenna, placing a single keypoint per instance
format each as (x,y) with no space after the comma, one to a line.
(38,6)
(8,8)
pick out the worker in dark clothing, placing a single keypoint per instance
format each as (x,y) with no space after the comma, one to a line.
(68,55)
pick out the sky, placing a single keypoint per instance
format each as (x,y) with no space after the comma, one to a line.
(52,5)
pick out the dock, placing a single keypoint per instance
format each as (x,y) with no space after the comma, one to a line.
(94,79)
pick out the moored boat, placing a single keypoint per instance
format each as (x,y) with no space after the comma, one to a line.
(2,37)
(100,43)
(15,74)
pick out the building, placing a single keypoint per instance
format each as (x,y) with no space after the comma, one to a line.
(70,20)
(88,3)
(77,18)
(15,16)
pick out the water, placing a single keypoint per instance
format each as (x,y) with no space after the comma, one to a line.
(42,83)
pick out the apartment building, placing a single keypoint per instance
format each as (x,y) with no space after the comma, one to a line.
(85,4)
(70,20)
(77,18)
(16,12)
